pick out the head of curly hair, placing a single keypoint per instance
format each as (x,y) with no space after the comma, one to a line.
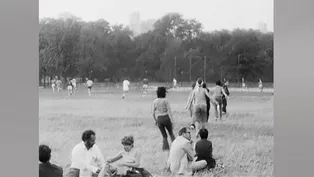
(127,140)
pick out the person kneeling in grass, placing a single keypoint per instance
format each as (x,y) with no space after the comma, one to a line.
(129,161)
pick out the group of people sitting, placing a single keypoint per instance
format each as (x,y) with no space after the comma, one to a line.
(88,161)
(183,156)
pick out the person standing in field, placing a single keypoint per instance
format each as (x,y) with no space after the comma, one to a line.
(207,101)
(73,80)
(244,87)
(89,84)
(200,109)
(59,85)
(145,86)
(70,88)
(53,84)
(174,83)
(163,118)
(125,85)
(218,93)
(260,85)
(224,99)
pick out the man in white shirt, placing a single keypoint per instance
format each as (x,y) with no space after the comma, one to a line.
(86,156)
(181,151)
(74,84)
(125,86)
(174,83)
(89,86)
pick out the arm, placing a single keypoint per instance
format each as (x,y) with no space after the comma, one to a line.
(223,91)
(191,97)
(100,160)
(189,151)
(153,111)
(135,164)
(79,162)
(210,97)
(116,158)
(169,111)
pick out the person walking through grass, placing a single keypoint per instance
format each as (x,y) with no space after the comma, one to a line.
(218,93)
(163,118)
(200,110)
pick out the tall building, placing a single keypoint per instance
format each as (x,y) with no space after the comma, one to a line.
(135,23)
(262,26)
(147,25)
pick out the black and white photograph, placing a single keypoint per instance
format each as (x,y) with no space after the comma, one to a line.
(156,88)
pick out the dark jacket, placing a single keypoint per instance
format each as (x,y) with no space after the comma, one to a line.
(50,170)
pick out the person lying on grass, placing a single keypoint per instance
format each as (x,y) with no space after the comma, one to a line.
(128,161)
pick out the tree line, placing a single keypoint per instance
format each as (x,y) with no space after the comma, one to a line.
(175,48)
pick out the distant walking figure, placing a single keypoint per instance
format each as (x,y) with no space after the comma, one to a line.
(260,85)
(244,87)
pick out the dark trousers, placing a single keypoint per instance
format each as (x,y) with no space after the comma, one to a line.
(224,105)
(164,123)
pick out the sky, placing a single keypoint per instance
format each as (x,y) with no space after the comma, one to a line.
(213,14)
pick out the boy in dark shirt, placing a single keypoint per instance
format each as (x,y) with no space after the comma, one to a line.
(46,169)
(204,150)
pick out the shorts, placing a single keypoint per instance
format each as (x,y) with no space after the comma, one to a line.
(200,113)
(70,88)
(125,89)
(53,85)
(74,85)
(145,86)
(89,87)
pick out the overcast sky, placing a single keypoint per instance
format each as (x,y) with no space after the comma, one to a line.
(213,14)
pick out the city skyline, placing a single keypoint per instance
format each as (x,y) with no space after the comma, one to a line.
(213,14)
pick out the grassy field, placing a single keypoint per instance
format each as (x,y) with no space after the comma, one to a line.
(243,141)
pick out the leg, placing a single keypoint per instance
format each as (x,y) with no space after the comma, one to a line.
(197,127)
(163,132)
(169,128)
(224,105)
(216,111)
(198,165)
(220,109)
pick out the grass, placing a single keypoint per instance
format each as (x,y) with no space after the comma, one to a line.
(243,141)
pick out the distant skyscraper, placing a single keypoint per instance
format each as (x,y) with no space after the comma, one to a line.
(147,25)
(262,26)
(135,23)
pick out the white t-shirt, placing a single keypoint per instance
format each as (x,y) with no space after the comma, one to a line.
(89,83)
(74,82)
(174,82)
(126,84)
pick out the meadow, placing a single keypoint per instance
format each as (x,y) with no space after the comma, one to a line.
(243,141)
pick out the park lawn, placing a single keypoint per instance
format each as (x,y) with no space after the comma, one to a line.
(243,141)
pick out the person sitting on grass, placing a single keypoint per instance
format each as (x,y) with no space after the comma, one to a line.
(129,161)
(46,169)
(204,150)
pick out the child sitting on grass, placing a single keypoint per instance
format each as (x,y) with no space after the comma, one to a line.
(129,161)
